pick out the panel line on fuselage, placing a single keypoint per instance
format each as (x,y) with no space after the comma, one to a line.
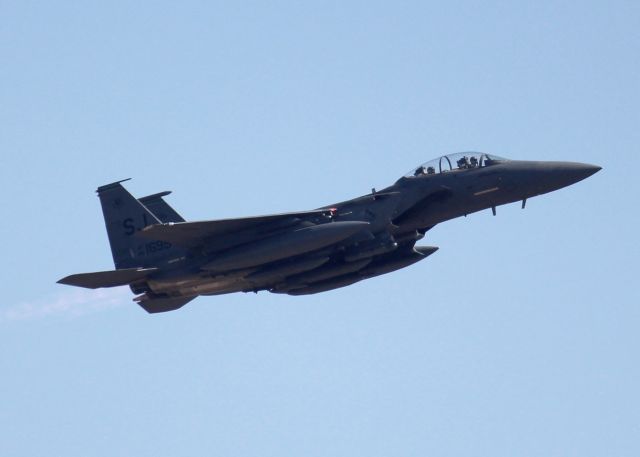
(487,191)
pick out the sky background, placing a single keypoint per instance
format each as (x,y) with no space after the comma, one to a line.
(520,336)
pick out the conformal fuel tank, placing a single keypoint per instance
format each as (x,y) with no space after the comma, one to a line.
(286,244)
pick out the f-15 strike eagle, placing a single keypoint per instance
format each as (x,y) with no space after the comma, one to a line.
(167,262)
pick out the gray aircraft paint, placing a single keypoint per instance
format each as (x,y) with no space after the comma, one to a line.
(167,262)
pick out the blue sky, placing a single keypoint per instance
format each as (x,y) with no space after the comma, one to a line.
(518,337)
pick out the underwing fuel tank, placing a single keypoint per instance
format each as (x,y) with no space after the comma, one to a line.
(396,263)
(275,273)
(287,244)
(377,268)
(324,286)
(327,272)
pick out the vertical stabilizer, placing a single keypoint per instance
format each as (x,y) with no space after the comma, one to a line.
(124,216)
(160,208)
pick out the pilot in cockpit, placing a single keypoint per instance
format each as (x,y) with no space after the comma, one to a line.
(431,170)
(419,171)
(473,162)
(463,163)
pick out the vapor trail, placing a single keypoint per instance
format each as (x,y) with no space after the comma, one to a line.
(69,303)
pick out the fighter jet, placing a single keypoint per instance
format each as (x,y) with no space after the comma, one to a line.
(167,262)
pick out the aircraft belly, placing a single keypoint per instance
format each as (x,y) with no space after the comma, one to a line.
(195,285)
(322,274)
(343,277)
(324,286)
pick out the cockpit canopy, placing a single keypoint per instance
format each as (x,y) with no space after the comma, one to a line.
(455,162)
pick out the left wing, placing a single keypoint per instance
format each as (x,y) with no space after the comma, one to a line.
(192,234)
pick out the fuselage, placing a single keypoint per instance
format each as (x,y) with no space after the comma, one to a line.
(167,261)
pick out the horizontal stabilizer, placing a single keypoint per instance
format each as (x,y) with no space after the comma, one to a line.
(110,278)
(190,234)
(161,305)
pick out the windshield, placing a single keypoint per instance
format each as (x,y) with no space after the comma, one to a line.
(455,162)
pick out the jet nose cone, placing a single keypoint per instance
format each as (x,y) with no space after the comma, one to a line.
(557,175)
(583,170)
(537,178)
(572,172)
